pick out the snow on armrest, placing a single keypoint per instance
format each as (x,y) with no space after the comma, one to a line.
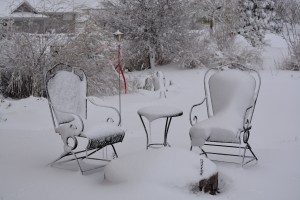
(72,128)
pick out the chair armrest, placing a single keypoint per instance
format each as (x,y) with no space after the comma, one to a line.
(69,129)
(73,118)
(247,120)
(246,125)
(105,106)
(194,118)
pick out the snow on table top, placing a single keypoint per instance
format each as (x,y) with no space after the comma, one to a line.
(155,112)
(165,166)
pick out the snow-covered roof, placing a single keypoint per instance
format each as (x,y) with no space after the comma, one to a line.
(26,15)
(7,7)
(25,7)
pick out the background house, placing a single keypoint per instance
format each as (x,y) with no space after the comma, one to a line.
(42,16)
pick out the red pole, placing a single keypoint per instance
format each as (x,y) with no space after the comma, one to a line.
(121,69)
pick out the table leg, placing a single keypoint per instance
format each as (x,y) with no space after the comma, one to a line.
(167,126)
(147,137)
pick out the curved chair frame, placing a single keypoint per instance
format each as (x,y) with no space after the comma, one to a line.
(245,131)
(93,145)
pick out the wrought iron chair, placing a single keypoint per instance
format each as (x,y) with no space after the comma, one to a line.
(230,96)
(66,89)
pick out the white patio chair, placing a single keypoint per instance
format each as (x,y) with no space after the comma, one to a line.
(66,89)
(230,96)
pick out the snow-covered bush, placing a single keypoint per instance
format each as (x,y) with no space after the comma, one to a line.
(289,11)
(202,55)
(156,30)
(23,57)
(291,63)
(256,17)
(221,48)
(95,53)
(135,58)
(223,36)
(249,57)
(26,57)
(215,43)
(234,48)
(292,37)
(217,12)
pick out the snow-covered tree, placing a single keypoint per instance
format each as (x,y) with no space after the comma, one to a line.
(257,16)
(156,30)
(23,57)
(209,11)
(289,11)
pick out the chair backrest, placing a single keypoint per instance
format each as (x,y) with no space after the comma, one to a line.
(66,89)
(231,89)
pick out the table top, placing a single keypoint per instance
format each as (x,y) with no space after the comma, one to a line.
(155,112)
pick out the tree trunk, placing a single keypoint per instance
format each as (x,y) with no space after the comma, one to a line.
(211,25)
(151,58)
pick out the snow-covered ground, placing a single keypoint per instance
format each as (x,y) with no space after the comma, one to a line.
(274,52)
(28,143)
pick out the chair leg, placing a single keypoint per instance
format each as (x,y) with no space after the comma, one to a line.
(249,147)
(114,150)
(78,157)
(67,154)
(244,155)
(204,152)
(62,156)
(74,154)
(91,153)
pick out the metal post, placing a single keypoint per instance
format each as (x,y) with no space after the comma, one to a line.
(119,35)
(119,66)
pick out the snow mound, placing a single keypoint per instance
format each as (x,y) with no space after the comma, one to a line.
(241,41)
(275,41)
(172,167)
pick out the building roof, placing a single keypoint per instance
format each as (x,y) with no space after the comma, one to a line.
(7,7)
(24,7)
(26,15)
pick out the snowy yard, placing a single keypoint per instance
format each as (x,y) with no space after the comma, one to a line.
(28,143)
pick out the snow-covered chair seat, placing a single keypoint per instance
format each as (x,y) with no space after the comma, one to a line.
(66,92)
(231,96)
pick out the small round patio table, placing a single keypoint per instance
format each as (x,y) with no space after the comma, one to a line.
(152,113)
